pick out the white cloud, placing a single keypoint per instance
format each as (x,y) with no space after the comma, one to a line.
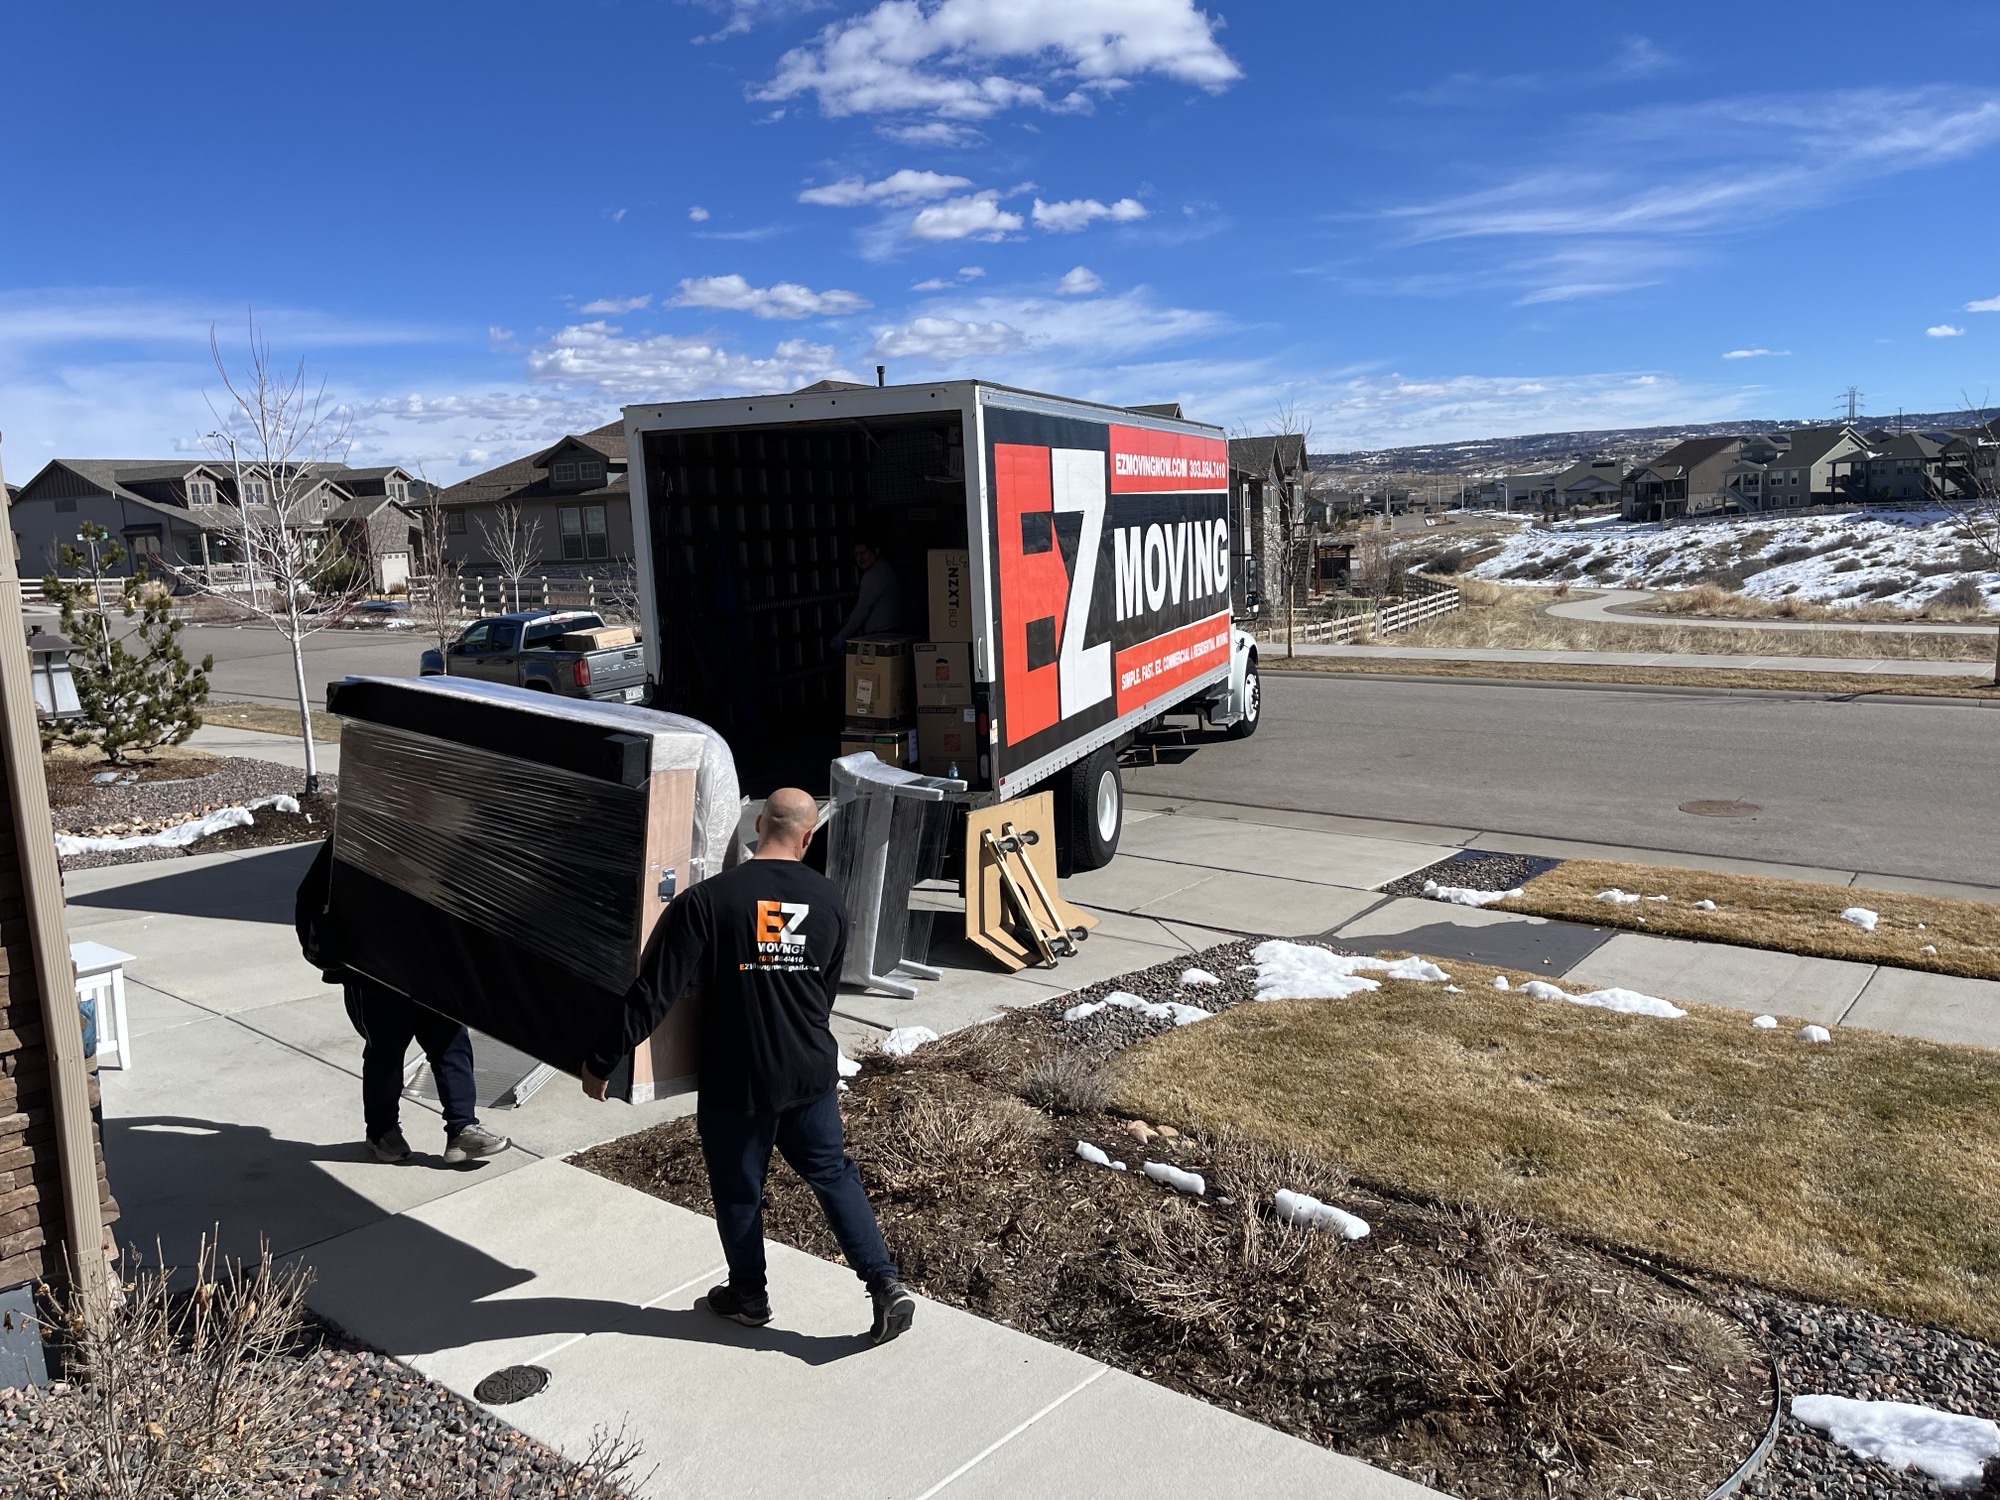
(1756,353)
(945,58)
(932,133)
(1072,214)
(977,216)
(698,214)
(1944,331)
(785,299)
(943,341)
(672,368)
(618,215)
(971,273)
(615,305)
(1984,304)
(932,284)
(898,188)
(1640,57)
(1079,281)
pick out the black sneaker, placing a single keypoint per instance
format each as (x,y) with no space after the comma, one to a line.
(389,1147)
(751,1312)
(895,1310)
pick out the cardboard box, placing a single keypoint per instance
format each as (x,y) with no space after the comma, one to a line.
(878,677)
(948,737)
(944,674)
(890,743)
(599,638)
(951,594)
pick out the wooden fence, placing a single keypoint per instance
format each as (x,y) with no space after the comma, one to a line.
(1341,620)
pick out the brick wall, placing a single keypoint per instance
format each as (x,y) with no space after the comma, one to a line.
(32,1222)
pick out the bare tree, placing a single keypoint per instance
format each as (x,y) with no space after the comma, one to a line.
(618,593)
(1294,543)
(281,433)
(514,542)
(1971,496)
(438,610)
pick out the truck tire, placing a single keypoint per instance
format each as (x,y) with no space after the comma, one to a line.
(1095,803)
(1253,704)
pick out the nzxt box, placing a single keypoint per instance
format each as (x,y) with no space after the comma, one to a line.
(951,594)
(502,856)
(878,677)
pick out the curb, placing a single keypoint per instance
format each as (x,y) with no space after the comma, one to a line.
(1676,690)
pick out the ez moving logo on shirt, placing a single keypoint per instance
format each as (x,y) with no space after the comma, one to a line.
(780,935)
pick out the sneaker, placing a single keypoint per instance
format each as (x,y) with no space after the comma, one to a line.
(390,1147)
(473,1142)
(751,1312)
(895,1310)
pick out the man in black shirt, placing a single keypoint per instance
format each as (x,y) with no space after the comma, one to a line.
(765,941)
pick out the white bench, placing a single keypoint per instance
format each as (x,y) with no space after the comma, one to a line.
(100,977)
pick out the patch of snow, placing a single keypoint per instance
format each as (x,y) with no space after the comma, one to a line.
(1459,895)
(1704,905)
(1765,1023)
(1308,1212)
(1619,898)
(181,834)
(1928,948)
(1190,1183)
(1298,971)
(1950,1448)
(848,1066)
(1814,1034)
(1158,1010)
(1861,917)
(1452,989)
(1625,1002)
(1656,898)
(1095,1155)
(906,1039)
(1199,976)
(1500,982)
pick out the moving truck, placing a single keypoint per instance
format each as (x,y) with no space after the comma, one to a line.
(1097,546)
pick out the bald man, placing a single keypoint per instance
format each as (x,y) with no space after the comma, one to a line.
(765,942)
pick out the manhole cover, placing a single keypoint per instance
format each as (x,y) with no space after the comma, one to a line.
(515,1383)
(1722,809)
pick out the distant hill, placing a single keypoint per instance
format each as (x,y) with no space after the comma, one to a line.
(1547,450)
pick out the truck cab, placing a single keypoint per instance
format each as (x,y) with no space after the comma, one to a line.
(552,651)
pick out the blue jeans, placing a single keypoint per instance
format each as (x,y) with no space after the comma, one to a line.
(737,1150)
(388,1023)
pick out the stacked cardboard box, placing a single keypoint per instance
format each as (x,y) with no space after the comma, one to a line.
(947,724)
(880,698)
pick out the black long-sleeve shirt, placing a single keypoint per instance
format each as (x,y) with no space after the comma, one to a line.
(764,941)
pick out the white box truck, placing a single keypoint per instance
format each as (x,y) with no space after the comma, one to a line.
(1100,540)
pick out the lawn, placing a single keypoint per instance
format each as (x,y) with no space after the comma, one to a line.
(1791,916)
(1860,1171)
(271,718)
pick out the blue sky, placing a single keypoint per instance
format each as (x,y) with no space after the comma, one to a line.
(485,225)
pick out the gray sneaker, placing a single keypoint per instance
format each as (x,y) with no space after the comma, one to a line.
(474,1142)
(390,1147)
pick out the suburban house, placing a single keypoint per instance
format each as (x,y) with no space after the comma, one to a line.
(1589,481)
(1685,480)
(570,506)
(184,514)
(1919,466)
(1512,492)
(1267,489)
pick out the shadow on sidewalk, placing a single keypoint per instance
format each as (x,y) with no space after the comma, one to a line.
(400,1285)
(257,888)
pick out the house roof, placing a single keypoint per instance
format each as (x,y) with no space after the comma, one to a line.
(1158,409)
(1691,451)
(1259,455)
(525,477)
(820,387)
(1810,444)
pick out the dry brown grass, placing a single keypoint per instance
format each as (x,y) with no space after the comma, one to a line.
(1791,916)
(1513,618)
(1840,684)
(1715,602)
(270,718)
(1860,1171)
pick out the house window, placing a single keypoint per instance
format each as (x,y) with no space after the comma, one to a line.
(398,491)
(590,472)
(454,522)
(201,492)
(583,536)
(256,492)
(565,473)
(143,543)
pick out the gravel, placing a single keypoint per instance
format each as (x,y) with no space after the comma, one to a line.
(1475,870)
(148,806)
(1114,1028)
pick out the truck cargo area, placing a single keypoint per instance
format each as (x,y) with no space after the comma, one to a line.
(753,530)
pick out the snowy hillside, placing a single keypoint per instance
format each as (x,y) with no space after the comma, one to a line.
(1901,560)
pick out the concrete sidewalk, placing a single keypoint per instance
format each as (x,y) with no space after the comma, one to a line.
(1274,660)
(1621,607)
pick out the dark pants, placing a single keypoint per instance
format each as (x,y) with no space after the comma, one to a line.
(388,1023)
(737,1149)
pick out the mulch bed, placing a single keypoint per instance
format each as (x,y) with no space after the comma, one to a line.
(1475,870)
(374,1428)
(1360,1346)
(173,790)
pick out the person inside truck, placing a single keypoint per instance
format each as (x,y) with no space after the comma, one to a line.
(765,942)
(879,610)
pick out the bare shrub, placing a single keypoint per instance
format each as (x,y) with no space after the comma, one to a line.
(1064,1081)
(1699,1336)
(1527,1350)
(1479,593)
(1961,593)
(928,1135)
(987,1052)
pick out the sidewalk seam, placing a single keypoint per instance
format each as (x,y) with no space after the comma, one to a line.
(1866,986)
(577,1338)
(998,1443)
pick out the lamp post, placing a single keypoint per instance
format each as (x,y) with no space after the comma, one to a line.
(243,513)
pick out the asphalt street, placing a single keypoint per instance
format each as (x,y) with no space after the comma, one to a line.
(1901,789)
(253,664)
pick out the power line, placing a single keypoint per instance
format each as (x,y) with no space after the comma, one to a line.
(1853,399)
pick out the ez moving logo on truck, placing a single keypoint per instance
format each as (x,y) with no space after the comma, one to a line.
(1112,545)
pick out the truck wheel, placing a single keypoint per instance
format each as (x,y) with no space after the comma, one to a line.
(1253,705)
(1096,804)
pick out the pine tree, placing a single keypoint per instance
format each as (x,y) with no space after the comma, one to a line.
(138,690)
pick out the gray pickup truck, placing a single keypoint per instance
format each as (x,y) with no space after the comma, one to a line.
(521,649)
